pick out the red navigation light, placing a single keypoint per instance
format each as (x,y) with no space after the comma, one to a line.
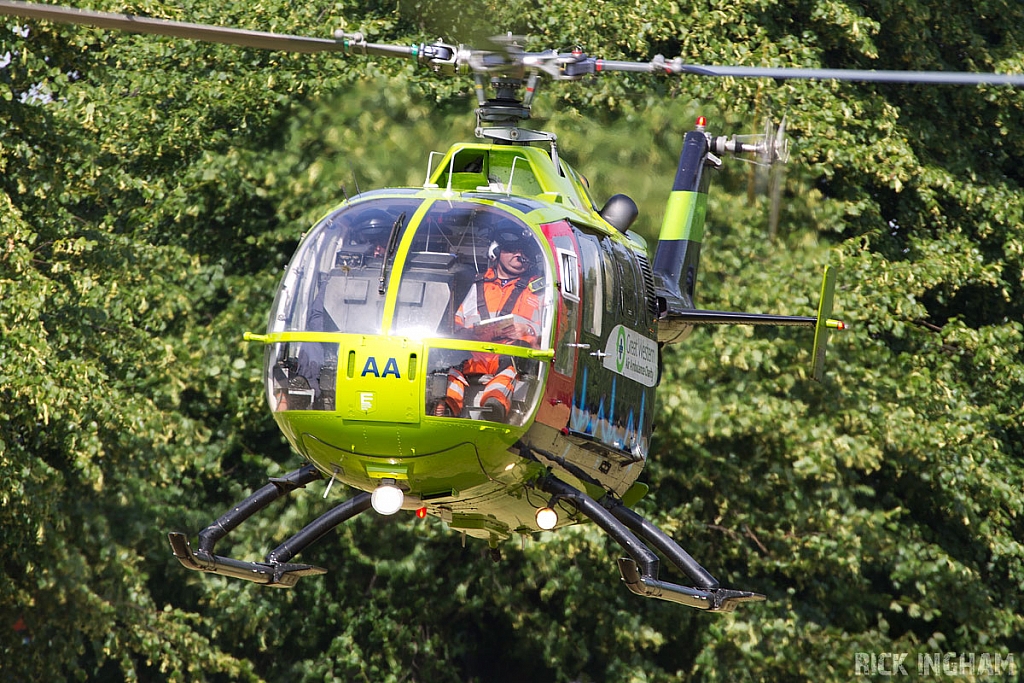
(701,122)
(421,512)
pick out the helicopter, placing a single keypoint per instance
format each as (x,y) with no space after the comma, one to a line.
(389,372)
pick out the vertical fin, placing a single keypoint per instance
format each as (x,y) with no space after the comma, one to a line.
(682,230)
(828,286)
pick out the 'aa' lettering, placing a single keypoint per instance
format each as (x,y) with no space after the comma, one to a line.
(371,367)
(390,368)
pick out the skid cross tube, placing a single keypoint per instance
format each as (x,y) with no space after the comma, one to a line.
(260,499)
(316,529)
(275,570)
(640,570)
(663,542)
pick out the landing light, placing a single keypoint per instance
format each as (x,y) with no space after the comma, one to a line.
(547,518)
(387,498)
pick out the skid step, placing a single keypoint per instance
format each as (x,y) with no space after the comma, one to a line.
(710,599)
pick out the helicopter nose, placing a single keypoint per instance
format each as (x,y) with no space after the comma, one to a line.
(377,380)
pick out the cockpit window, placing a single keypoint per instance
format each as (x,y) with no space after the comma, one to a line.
(333,281)
(474,272)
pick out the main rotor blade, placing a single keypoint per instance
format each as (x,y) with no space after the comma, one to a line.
(782,73)
(176,29)
(863,75)
(447,58)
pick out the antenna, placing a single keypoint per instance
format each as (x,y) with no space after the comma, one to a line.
(355,178)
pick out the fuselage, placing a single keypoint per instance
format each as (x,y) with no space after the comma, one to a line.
(366,329)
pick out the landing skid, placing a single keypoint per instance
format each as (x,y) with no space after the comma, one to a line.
(275,570)
(640,570)
(284,575)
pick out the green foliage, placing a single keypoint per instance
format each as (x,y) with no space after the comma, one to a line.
(151,191)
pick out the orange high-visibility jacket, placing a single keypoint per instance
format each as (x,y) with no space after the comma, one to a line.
(490,298)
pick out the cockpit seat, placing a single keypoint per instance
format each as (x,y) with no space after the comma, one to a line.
(352,302)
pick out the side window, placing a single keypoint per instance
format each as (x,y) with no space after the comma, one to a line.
(569,283)
(593,283)
(611,280)
(629,287)
(568,269)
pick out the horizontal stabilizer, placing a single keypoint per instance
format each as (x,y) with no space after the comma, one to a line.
(700,317)
(675,325)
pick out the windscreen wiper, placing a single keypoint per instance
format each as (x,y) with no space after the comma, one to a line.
(389,254)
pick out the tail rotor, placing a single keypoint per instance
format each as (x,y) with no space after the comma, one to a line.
(769,151)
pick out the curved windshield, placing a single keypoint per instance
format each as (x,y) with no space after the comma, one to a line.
(468,272)
(333,282)
(475,272)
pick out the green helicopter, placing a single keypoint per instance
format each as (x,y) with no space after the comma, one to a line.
(486,348)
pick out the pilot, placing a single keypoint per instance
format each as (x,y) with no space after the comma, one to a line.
(502,306)
(373,229)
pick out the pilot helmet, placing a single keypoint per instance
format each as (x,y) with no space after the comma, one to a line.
(372,227)
(514,238)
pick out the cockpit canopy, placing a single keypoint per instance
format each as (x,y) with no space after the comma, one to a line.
(409,279)
(342,277)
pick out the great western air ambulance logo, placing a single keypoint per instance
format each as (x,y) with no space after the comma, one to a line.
(620,350)
(632,355)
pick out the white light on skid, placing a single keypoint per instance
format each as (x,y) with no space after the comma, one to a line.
(387,498)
